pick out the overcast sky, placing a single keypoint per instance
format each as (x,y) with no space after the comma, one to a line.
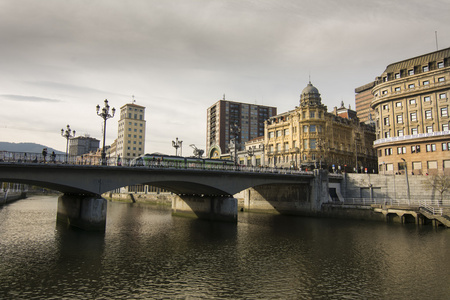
(59,59)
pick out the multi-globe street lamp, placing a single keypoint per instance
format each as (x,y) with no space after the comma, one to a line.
(67,134)
(235,130)
(177,144)
(105,115)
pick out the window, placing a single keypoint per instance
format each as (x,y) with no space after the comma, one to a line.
(411,72)
(401,150)
(445,127)
(413,149)
(286,146)
(278,133)
(414,131)
(385,107)
(444,112)
(305,144)
(388,151)
(445,146)
(441,79)
(428,114)
(413,117)
(399,119)
(386,121)
(286,132)
(387,135)
(271,134)
(305,128)
(429,129)
(417,165)
(425,69)
(446,164)
(400,132)
(440,65)
(442,96)
(312,143)
(427,99)
(397,75)
(312,128)
(411,86)
(431,147)
(426,82)
(432,164)
(397,89)
(312,114)
(412,101)
(398,104)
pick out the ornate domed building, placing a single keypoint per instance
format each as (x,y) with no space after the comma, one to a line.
(309,137)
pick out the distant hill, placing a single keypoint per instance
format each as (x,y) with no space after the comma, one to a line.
(26,147)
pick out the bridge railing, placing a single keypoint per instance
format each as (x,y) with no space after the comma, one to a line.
(27,157)
(397,202)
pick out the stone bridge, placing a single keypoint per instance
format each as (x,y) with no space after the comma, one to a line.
(206,193)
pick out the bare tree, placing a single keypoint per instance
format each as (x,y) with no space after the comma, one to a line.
(441,183)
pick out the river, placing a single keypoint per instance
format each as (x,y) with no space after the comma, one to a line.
(146,253)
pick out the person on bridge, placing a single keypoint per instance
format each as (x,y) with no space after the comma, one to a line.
(44,153)
(53,157)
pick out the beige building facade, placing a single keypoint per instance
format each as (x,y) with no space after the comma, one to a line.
(309,137)
(131,131)
(411,104)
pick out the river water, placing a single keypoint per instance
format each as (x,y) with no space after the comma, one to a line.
(146,253)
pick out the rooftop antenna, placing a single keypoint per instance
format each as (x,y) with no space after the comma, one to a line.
(224,97)
(435,33)
(134,100)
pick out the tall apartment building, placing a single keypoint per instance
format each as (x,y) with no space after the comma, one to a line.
(131,131)
(221,117)
(363,98)
(309,137)
(411,104)
(82,144)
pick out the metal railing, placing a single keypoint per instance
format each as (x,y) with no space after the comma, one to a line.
(59,159)
(431,209)
(409,137)
(398,202)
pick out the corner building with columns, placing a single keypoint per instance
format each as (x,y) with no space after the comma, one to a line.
(411,104)
(309,137)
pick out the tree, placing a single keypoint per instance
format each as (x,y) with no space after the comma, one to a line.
(441,183)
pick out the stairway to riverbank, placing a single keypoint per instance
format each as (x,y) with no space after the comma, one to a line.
(442,216)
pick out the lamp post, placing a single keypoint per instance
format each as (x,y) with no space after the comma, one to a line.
(251,153)
(407,182)
(105,115)
(177,144)
(67,134)
(235,130)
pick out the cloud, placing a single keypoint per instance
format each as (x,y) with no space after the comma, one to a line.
(22,98)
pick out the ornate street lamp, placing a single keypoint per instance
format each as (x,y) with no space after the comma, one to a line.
(67,134)
(235,130)
(105,115)
(251,153)
(177,144)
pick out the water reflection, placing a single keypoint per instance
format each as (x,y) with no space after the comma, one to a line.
(146,253)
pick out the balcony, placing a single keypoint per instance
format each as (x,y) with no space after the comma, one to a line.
(410,137)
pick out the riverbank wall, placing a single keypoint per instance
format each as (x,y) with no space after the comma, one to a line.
(393,187)
(8,197)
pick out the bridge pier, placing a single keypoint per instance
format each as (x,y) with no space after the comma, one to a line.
(214,208)
(87,212)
